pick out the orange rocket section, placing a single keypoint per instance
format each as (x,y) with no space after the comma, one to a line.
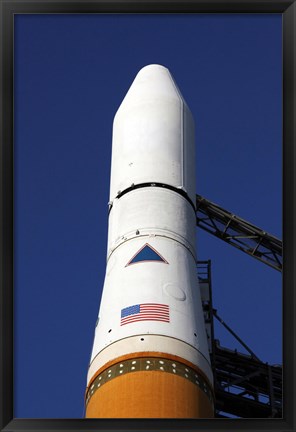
(149,385)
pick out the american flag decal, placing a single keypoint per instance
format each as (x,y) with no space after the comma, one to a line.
(145,312)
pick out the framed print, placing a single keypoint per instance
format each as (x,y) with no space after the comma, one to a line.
(67,68)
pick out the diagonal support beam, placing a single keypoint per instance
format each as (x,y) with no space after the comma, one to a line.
(239,233)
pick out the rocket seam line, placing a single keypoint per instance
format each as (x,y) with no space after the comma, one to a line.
(182,128)
(181,192)
(145,334)
(182,142)
(146,354)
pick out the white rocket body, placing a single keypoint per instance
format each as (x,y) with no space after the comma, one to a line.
(151,259)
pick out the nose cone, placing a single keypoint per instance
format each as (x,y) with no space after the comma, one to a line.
(153,135)
(152,83)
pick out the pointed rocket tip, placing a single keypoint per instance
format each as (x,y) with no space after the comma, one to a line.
(153,67)
(153,81)
(153,70)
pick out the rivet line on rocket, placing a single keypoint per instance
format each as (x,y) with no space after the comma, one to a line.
(149,364)
(153,184)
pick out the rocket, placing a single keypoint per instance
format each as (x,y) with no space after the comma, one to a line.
(150,354)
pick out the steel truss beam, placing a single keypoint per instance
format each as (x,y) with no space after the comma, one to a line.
(239,233)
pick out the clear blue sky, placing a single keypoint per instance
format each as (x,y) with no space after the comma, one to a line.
(71,74)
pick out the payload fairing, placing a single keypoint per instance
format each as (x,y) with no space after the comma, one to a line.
(150,354)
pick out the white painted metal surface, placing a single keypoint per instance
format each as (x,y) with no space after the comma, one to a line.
(153,135)
(151,288)
(151,210)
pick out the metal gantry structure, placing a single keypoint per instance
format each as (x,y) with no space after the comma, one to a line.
(245,387)
(239,233)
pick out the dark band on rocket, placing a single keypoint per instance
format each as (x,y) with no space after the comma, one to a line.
(181,192)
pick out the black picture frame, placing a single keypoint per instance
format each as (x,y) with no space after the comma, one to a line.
(8,8)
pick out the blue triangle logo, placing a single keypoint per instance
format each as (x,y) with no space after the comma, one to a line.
(146,253)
